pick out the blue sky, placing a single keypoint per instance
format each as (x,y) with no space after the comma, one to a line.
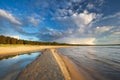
(64,21)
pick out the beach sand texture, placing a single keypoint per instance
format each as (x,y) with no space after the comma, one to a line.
(19,49)
(44,67)
(50,66)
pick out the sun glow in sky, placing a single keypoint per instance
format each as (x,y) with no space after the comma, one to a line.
(66,21)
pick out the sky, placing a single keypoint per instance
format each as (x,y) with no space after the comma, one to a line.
(63,21)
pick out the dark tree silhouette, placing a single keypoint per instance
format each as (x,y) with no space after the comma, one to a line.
(10,40)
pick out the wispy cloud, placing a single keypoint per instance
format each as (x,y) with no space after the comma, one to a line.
(35,19)
(118,32)
(9,17)
(116,15)
(100,2)
(90,6)
(8,23)
(102,29)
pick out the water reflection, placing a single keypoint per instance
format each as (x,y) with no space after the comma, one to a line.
(9,68)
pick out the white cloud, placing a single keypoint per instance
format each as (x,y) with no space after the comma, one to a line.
(116,15)
(9,17)
(75,40)
(90,6)
(102,29)
(35,19)
(83,41)
(83,19)
(113,17)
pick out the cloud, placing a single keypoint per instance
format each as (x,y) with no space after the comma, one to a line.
(100,2)
(10,25)
(75,40)
(102,29)
(35,19)
(51,34)
(109,39)
(108,35)
(83,19)
(77,0)
(9,17)
(116,15)
(74,7)
(118,32)
(74,21)
(90,6)
(105,25)
(108,19)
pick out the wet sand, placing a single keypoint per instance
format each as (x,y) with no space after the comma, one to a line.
(73,70)
(70,71)
(50,66)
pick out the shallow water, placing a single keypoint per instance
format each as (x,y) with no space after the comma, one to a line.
(10,68)
(95,62)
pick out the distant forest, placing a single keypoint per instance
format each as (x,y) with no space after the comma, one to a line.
(10,40)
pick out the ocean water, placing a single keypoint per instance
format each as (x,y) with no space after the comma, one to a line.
(95,62)
(11,67)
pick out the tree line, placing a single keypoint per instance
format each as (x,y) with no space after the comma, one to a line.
(10,40)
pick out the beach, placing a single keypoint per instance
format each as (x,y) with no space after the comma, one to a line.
(50,66)
(62,63)
(18,49)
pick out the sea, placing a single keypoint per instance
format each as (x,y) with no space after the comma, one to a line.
(95,62)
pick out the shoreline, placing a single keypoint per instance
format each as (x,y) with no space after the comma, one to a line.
(45,67)
(67,68)
(61,64)
(73,72)
(50,64)
(21,49)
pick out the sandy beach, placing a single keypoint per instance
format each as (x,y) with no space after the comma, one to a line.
(51,66)
(69,70)
(45,67)
(13,50)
